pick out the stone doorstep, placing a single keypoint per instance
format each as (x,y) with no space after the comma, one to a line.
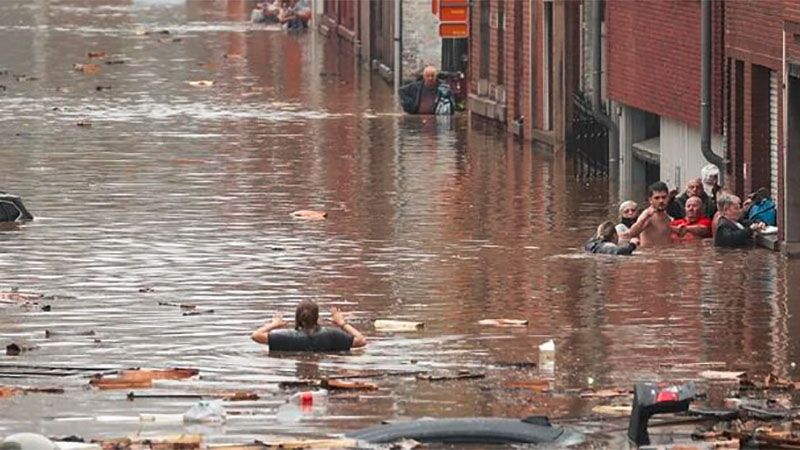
(791,249)
(769,242)
(488,108)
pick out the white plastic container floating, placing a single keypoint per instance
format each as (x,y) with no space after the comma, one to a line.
(205,411)
(547,357)
(27,441)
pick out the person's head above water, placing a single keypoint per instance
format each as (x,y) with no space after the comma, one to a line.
(306,316)
(658,195)
(429,75)
(606,232)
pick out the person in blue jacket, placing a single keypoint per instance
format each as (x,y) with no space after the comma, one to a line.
(760,208)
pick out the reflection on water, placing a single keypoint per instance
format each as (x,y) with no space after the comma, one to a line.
(188,190)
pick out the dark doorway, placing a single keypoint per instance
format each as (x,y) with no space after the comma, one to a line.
(792,157)
(738,125)
(759,162)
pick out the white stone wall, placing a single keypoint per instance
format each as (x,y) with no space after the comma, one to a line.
(681,158)
(421,42)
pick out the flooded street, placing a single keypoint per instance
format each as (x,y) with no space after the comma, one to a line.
(182,194)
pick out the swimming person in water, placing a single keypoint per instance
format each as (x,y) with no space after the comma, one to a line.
(308,335)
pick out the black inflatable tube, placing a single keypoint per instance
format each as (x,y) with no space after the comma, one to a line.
(472,430)
(12,209)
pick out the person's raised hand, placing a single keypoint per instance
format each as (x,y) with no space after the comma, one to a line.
(277,320)
(337,317)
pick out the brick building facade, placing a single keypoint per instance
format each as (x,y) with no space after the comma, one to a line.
(369,25)
(762,60)
(654,81)
(524,65)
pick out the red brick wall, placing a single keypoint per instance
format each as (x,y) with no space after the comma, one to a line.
(654,57)
(754,29)
(754,33)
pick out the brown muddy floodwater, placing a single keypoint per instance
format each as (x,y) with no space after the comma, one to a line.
(188,191)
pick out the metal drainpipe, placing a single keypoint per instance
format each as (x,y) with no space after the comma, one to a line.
(705,90)
(597,36)
(597,105)
(398,45)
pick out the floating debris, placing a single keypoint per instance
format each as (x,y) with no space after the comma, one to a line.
(537,385)
(201,83)
(504,322)
(179,305)
(309,215)
(334,384)
(198,312)
(102,88)
(97,55)
(397,325)
(112,62)
(14,349)
(722,375)
(605,393)
(141,378)
(89,69)
(84,123)
(10,391)
(461,375)
(51,334)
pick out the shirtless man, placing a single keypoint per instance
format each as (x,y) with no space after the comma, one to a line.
(652,226)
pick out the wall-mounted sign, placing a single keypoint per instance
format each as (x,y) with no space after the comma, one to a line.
(453,30)
(449,13)
(454,18)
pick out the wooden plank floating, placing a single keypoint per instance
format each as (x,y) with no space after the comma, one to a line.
(309,215)
(141,378)
(397,325)
(451,377)
(504,322)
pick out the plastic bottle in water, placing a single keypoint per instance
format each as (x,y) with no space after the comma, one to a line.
(309,399)
(547,357)
(302,404)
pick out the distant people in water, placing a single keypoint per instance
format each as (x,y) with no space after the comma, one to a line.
(428,95)
(307,334)
(606,241)
(292,14)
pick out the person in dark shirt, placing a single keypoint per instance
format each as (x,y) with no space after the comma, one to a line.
(427,95)
(695,189)
(731,231)
(606,239)
(308,335)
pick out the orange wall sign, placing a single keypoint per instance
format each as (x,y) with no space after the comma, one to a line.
(453,30)
(453,13)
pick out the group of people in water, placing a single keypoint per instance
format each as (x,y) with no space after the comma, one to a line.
(695,214)
(698,213)
(292,14)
